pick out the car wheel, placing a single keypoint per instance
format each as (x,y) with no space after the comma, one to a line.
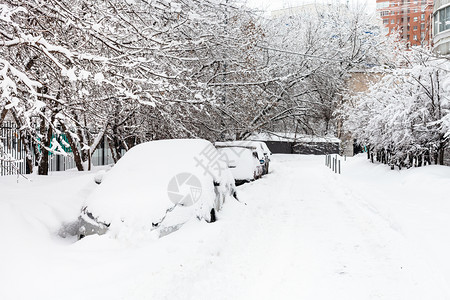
(213,217)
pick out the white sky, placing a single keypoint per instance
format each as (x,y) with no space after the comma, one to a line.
(269,5)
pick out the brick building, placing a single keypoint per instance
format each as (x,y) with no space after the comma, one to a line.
(412,19)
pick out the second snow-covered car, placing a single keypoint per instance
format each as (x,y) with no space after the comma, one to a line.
(266,152)
(245,163)
(159,185)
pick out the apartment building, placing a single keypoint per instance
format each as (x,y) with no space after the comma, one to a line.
(441,27)
(411,19)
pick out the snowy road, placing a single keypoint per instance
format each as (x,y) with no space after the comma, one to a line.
(307,233)
(302,233)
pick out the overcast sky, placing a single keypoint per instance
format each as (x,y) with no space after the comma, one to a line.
(269,5)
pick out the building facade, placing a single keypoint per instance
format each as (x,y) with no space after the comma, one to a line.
(410,18)
(441,27)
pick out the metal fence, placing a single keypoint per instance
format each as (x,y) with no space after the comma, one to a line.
(12,154)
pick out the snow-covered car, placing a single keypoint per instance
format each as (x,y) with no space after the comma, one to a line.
(266,152)
(243,161)
(159,185)
(260,147)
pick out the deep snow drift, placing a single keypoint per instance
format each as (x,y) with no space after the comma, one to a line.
(301,232)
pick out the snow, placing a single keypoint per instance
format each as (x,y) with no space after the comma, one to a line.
(301,232)
(70,74)
(260,147)
(134,194)
(6,12)
(242,162)
(99,78)
(292,137)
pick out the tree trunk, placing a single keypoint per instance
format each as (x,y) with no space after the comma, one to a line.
(3,114)
(43,163)
(75,150)
(26,140)
(441,156)
(419,160)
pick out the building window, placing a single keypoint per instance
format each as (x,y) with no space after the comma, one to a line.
(441,20)
(447,18)
(422,17)
(415,37)
(386,21)
(415,28)
(393,21)
(422,26)
(443,16)
(436,23)
(415,19)
(422,36)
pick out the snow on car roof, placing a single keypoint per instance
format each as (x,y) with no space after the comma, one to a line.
(136,188)
(247,144)
(242,160)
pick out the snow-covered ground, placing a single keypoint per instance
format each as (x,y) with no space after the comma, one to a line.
(301,232)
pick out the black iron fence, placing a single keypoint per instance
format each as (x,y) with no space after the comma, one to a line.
(12,152)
